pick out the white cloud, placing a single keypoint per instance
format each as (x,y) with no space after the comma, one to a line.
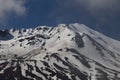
(11,6)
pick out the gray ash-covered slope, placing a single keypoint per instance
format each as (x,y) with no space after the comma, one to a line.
(65,52)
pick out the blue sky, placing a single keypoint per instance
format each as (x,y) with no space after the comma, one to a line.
(101,15)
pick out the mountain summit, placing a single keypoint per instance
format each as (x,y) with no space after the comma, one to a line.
(64,52)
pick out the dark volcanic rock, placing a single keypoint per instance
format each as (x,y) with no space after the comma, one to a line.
(5,35)
(79,41)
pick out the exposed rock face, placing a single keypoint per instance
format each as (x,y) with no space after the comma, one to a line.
(66,52)
(5,35)
(79,41)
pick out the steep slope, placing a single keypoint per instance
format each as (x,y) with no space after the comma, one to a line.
(65,52)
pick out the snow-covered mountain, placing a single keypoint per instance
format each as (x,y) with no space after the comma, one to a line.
(64,52)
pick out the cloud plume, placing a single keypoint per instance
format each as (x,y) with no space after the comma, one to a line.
(11,6)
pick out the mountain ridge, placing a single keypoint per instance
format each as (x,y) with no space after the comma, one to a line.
(65,52)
